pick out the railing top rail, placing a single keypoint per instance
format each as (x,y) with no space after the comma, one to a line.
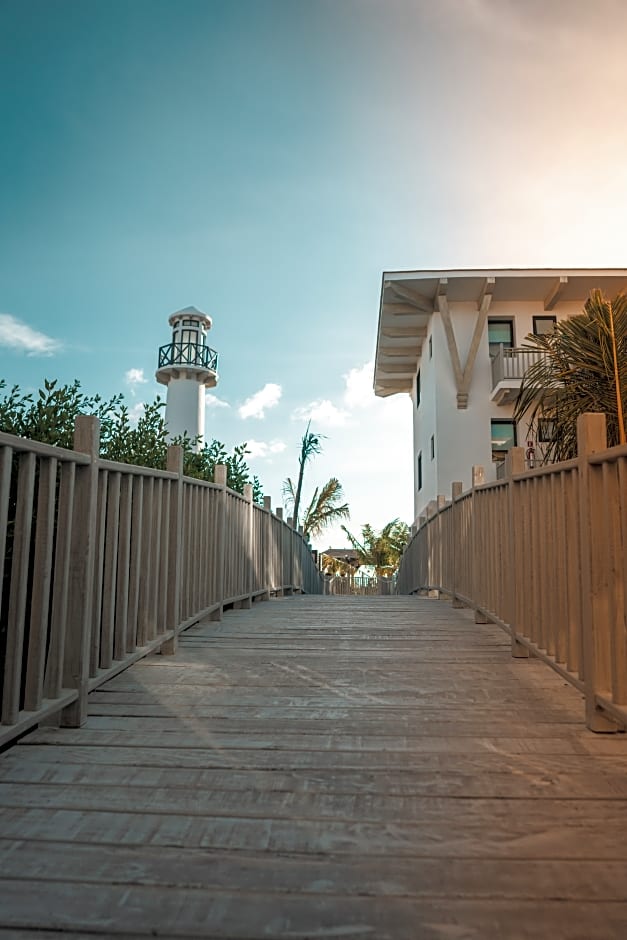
(235,494)
(547,469)
(205,484)
(609,455)
(23,444)
(114,466)
(491,485)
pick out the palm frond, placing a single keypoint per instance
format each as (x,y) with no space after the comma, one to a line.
(288,493)
(382,549)
(583,367)
(325,508)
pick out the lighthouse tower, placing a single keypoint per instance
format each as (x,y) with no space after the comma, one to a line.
(187,366)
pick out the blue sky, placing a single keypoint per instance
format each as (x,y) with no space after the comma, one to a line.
(266,161)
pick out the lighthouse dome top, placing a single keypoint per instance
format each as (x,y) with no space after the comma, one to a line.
(191,313)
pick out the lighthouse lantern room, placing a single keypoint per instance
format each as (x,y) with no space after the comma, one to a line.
(187,366)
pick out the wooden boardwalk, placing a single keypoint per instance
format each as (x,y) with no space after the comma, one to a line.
(321,767)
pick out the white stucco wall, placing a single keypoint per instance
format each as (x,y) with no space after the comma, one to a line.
(462,436)
(425,421)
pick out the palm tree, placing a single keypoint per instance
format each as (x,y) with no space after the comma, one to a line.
(324,508)
(583,368)
(336,566)
(310,445)
(382,549)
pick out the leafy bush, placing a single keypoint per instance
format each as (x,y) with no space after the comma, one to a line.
(48,416)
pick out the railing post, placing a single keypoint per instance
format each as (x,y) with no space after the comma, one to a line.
(437,505)
(80,607)
(298,559)
(175,543)
(591,438)
(279,586)
(456,492)
(267,573)
(289,590)
(514,464)
(219,478)
(478,478)
(248,496)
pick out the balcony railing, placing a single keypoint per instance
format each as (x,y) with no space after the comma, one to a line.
(188,354)
(513,363)
(508,368)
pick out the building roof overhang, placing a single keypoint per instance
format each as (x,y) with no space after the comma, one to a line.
(408,299)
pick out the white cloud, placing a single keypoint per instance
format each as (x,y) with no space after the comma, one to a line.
(265,449)
(135,377)
(18,335)
(135,413)
(322,412)
(212,401)
(359,392)
(256,405)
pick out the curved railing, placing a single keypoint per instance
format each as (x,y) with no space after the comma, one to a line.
(105,562)
(188,354)
(542,553)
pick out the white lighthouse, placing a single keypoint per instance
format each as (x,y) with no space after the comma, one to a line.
(187,366)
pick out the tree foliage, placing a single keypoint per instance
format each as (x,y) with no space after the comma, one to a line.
(336,566)
(324,509)
(49,415)
(310,445)
(382,549)
(583,367)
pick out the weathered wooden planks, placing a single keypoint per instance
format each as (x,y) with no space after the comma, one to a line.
(321,767)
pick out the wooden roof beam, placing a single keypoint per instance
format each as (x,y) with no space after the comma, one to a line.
(555,293)
(485,297)
(401,352)
(393,383)
(417,332)
(396,309)
(419,301)
(393,368)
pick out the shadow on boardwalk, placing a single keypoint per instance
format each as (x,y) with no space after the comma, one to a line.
(356,767)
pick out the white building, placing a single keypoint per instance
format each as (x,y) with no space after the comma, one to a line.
(451,339)
(187,366)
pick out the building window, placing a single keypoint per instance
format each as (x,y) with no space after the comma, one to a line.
(543,325)
(546,430)
(432,447)
(500,333)
(503,437)
(419,470)
(431,347)
(418,389)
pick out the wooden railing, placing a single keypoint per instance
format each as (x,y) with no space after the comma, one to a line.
(512,363)
(542,553)
(357,584)
(105,562)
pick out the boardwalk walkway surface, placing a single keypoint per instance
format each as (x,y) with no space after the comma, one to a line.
(321,767)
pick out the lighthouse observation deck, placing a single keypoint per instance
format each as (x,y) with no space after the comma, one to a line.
(188,354)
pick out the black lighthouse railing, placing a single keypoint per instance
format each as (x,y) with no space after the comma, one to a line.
(188,354)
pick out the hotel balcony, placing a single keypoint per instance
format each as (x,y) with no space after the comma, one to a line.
(508,367)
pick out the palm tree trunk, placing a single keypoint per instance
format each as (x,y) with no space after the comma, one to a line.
(310,445)
(299,487)
(619,396)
